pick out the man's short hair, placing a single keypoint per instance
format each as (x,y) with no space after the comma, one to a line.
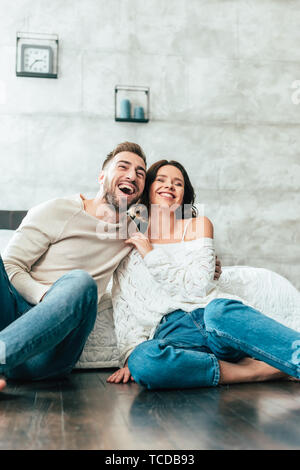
(125,147)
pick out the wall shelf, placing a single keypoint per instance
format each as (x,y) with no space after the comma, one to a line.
(132,104)
(131,120)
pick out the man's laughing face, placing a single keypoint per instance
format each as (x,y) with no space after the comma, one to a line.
(124,180)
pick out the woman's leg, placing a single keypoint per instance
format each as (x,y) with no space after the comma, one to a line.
(156,364)
(234,330)
(178,357)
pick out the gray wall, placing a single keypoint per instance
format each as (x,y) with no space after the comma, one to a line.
(221,75)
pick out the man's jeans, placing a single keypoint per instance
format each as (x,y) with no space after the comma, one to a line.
(186,347)
(46,340)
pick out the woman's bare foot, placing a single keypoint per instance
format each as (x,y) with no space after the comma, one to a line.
(263,371)
(2,383)
(248,370)
(269,372)
(292,379)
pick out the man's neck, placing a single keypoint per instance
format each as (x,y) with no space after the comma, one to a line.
(98,207)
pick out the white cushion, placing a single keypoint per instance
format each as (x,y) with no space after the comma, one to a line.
(5,236)
(265,290)
(101,347)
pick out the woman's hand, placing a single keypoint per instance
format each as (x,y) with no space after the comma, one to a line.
(122,375)
(140,242)
(218,269)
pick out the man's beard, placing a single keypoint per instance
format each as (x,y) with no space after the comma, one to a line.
(119,203)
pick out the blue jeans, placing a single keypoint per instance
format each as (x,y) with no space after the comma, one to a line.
(46,340)
(187,346)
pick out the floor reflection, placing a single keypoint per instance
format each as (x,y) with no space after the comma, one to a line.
(246,416)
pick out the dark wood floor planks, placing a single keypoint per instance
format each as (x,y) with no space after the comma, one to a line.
(140,430)
(30,416)
(84,412)
(15,416)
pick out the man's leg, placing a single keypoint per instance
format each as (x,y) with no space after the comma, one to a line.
(236,331)
(48,339)
(12,304)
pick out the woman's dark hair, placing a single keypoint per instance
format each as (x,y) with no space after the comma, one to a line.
(187,210)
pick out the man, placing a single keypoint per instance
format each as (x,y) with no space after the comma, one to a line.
(57,267)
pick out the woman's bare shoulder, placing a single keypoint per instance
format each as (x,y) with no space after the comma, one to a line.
(199,227)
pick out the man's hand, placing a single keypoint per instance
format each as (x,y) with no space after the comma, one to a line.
(122,375)
(218,269)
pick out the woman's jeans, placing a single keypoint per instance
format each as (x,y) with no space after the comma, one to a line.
(45,340)
(186,347)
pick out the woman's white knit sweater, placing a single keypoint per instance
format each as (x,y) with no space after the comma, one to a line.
(170,277)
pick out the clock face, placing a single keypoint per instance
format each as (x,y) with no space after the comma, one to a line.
(36,59)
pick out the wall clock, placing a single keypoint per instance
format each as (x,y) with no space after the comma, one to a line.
(37,55)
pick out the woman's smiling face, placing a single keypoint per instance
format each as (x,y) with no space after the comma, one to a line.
(168,187)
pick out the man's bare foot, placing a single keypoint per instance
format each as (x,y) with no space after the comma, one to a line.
(2,383)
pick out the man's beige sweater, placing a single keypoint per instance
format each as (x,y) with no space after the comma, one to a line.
(56,237)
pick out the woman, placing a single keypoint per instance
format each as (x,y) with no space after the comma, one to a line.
(175,327)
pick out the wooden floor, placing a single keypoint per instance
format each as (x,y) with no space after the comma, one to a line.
(84,412)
